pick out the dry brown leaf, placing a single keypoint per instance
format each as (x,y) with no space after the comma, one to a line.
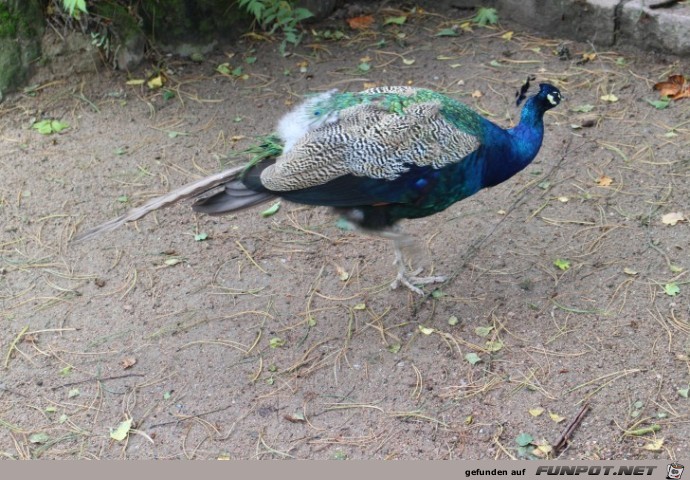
(360,23)
(477,94)
(676,87)
(672,218)
(128,362)
(604,181)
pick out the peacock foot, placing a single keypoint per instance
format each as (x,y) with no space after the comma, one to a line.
(412,280)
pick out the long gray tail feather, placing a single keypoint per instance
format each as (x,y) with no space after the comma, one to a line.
(190,190)
(235,196)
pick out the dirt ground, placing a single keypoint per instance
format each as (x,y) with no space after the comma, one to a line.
(278,337)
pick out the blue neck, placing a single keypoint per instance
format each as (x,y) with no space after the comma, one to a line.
(519,146)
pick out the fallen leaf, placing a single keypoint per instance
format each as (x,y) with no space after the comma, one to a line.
(426,330)
(473,358)
(655,446)
(507,36)
(671,289)
(588,57)
(494,345)
(535,412)
(477,94)
(483,331)
(629,271)
(562,264)
(276,342)
(672,218)
(524,439)
(128,362)
(395,20)
(41,437)
(156,81)
(604,181)
(556,417)
(447,32)
(586,108)
(360,23)
(676,87)
(342,273)
(360,306)
(453,320)
(611,98)
(271,210)
(122,430)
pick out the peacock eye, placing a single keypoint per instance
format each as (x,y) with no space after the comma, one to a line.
(317,112)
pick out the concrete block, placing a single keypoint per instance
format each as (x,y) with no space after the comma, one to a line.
(664,29)
(583,20)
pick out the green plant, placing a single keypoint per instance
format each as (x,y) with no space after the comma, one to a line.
(73,7)
(275,15)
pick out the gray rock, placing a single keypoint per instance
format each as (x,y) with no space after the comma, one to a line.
(21,28)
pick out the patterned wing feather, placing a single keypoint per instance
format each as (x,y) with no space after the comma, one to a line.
(371,140)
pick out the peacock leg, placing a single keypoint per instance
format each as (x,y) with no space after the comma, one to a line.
(403,243)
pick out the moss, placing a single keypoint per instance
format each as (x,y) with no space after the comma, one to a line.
(8,22)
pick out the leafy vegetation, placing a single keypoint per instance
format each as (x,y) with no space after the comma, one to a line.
(274,15)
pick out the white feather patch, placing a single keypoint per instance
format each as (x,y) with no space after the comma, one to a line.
(305,117)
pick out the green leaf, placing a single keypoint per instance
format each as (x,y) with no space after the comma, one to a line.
(483,331)
(200,237)
(394,348)
(364,67)
(672,289)
(524,439)
(437,294)
(122,430)
(66,371)
(426,330)
(58,126)
(250,60)
(276,342)
(46,127)
(360,306)
(583,108)
(123,199)
(343,224)
(271,210)
(395,20)
(562,264)
(684,392)
(167,395)
(486,16)
(447,32)
(494,345)
(452,321)
(224,68)
(74,392)
(40,437)
(660,104)
(50,409)
(473,358)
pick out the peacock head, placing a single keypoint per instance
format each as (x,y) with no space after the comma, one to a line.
(548,96)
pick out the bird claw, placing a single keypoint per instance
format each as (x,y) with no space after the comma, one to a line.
(411,281)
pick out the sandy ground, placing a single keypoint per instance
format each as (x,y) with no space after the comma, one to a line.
(251,337)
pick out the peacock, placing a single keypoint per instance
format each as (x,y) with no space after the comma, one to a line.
(376,157)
